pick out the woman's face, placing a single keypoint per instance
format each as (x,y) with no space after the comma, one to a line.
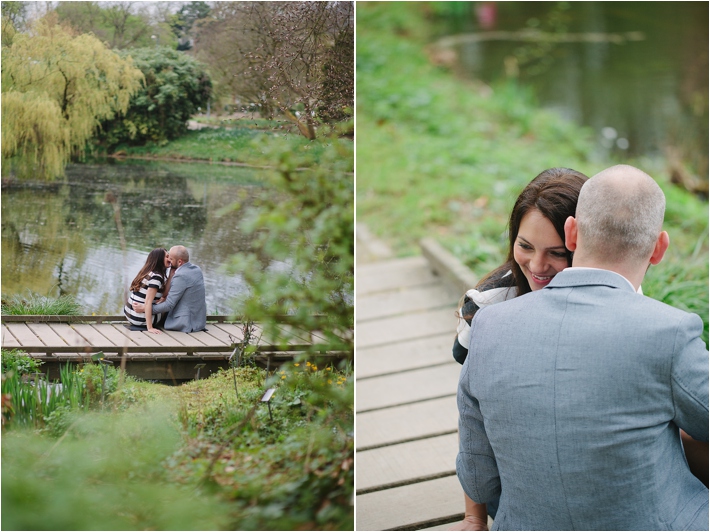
(167,259)
(538,250)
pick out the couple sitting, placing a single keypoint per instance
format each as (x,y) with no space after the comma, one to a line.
(582,404)
(174,300)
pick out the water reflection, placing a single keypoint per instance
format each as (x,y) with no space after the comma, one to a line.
(640,95)
(65,238)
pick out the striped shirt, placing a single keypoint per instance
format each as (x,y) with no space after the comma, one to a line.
(152,280)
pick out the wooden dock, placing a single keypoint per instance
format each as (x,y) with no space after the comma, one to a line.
(171,355)
(406,422)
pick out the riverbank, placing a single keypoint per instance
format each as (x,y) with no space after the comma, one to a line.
(231,142)
(439,157)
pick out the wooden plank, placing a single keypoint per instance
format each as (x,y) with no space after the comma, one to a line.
(69,335)
(410,505)
(230,329)
(140,338)
(114,335)
(407,327)
(46,334)
(393,275)
(405,301)
(406,422)
(162,339)
(8,340)
(91,334)
(407,387)
(294,334)
(218,334)
(409,354)
(186,339)
(406,461)
(23,334)
(207,339)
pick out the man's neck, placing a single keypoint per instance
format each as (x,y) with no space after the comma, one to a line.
(631,273)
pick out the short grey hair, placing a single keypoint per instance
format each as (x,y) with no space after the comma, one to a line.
(620,214)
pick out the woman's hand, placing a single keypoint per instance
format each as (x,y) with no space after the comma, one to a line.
(153,330)
(471,523)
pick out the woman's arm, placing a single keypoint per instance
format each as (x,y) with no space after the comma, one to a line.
(149,297)
(167,286)
(696,453)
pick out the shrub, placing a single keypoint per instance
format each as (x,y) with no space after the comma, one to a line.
(176,85)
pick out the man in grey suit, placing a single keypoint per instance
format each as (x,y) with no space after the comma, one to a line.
(185,304)
(571,398)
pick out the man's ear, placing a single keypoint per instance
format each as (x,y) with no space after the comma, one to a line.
(571,233)
(660,249)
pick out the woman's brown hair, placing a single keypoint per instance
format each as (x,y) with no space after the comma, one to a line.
(554,193)
(154,263)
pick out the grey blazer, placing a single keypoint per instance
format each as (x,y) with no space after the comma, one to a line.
(185,305)
(569,407)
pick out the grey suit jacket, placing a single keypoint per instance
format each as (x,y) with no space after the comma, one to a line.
(569,407)
(185,305)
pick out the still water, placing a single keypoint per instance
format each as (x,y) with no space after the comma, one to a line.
(634,72)
(65,237)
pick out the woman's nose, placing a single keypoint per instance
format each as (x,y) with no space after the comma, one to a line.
(537,263)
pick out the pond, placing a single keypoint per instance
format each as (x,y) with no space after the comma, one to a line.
(635,72)
(89,234)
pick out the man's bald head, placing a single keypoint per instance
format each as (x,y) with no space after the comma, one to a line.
(620,215)
(179,252)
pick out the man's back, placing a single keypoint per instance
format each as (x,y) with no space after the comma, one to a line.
(186,300)
(581,388)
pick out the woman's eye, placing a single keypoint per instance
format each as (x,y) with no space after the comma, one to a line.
(525,246)
(559,254)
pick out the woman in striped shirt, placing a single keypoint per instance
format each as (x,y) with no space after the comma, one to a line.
(149,286)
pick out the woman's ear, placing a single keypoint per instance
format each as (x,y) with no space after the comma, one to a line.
(571,233)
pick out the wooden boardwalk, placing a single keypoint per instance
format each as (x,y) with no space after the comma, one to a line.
(170,355)
(406,423)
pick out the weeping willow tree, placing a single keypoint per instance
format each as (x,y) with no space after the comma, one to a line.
(57,87)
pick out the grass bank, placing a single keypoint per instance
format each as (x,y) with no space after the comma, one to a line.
(437,156)
(207,455)
(229,143)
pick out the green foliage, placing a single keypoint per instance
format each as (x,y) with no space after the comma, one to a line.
(55,88)
(19,362)
(106,473)
(176,86)
(303,231)
(118,24)
(33,304)
(290,472)
(34,402)
(183,21)
(224,466)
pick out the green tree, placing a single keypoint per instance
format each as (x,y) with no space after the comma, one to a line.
(15,13)
(56,87)
(305,224)
(120,25)
(176,86)
(184,20)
